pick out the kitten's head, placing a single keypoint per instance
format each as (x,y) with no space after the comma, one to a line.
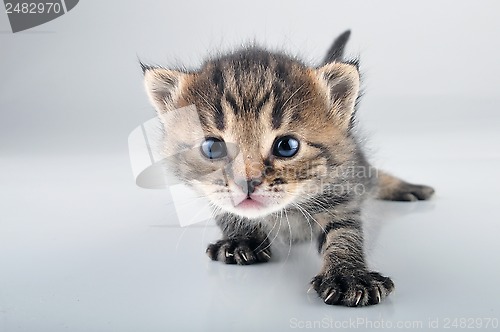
(272,129)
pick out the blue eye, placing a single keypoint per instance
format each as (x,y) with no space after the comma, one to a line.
(285,147)
(213,148)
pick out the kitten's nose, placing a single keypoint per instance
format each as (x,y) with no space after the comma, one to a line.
(248,186)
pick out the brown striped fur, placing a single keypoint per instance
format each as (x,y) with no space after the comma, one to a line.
(250,98)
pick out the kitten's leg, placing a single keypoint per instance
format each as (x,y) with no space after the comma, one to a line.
(393,189)
(344,278)
(239,244)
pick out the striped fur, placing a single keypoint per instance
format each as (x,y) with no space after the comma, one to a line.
(250,98)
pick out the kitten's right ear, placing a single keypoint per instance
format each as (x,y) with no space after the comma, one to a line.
(163,87)
(341,82)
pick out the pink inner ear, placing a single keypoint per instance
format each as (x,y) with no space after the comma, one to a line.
(163,87)
(342,82)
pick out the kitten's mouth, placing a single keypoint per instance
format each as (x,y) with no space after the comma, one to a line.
(249,203)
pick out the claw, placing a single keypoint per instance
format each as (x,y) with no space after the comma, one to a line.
(329,297)
(245,258)
(311,288)
(265,254)
(359,293)
(380,292)
(228,254)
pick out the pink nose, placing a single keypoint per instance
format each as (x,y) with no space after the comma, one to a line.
(248,186)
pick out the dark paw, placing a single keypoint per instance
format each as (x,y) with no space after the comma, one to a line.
(410,192)
(352,288)
(239,251)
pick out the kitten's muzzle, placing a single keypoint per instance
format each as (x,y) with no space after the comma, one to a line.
(248,186)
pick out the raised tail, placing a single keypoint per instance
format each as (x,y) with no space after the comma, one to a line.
(336,51)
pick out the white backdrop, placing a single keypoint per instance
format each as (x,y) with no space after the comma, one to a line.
(76,78)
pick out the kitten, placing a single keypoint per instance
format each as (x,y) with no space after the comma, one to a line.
(279,145)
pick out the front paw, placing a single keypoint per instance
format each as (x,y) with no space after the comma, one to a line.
(352,288)
(243,251)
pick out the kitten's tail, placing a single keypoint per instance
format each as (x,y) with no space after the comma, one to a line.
(336,51)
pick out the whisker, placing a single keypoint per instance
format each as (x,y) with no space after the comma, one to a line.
(212,216)
(207,102)
(277,233)
(301,103)
(179,239)
(293,94)
(322,228)
(308,222)
(268,235)
(290,237)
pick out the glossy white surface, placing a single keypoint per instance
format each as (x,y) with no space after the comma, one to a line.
(83,249)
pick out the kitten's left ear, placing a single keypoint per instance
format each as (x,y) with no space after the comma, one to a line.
(342,88)
(163,86)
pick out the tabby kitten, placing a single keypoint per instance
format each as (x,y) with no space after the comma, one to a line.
(279,156)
